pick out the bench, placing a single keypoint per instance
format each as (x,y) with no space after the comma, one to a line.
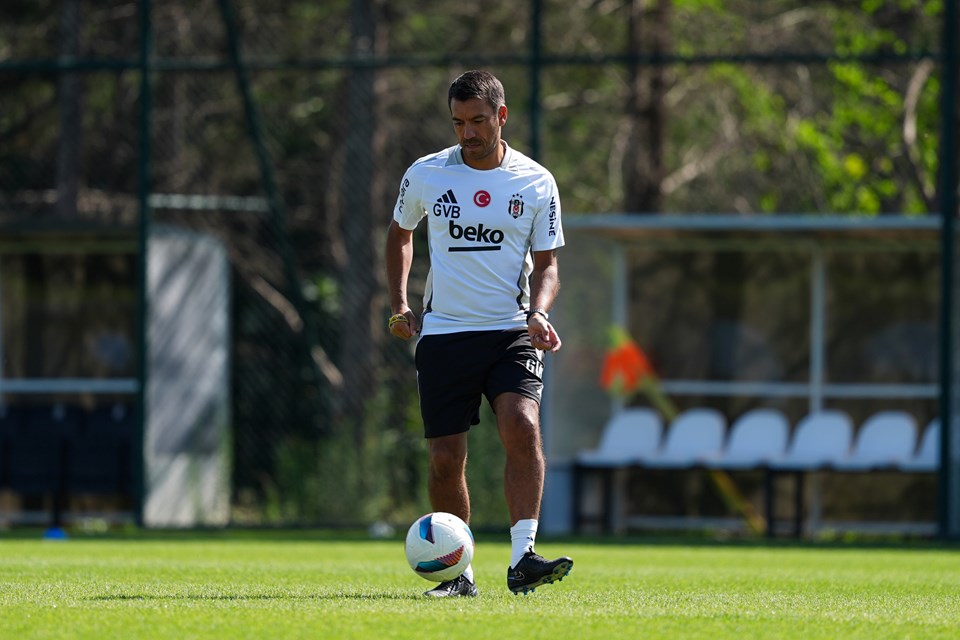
(759,440)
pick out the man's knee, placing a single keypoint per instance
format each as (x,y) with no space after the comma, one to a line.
(520,432)
(448,458)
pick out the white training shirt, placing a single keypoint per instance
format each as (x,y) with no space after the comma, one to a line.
(482,226)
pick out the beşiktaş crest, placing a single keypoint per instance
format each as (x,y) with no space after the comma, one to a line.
(515,207)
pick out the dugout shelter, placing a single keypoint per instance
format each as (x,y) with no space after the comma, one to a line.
(736,312)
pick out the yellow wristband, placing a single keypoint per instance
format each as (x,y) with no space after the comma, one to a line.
(394,319)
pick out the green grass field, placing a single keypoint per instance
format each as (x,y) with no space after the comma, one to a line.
(247,585)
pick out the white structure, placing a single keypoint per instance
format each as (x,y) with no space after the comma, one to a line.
(187,418)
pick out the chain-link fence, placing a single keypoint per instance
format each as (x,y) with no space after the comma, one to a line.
(280,132)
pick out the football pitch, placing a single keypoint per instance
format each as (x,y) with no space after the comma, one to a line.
(303,585)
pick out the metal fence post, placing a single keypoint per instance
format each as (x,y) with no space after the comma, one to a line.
(949,497)
(143,198)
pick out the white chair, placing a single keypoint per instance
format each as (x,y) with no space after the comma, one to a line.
(756,437)
(927,457)
(629,435)
(820,438)
(886,439)
(692,436)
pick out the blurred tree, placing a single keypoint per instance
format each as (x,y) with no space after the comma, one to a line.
(645,161)
(362,188)
(68,94)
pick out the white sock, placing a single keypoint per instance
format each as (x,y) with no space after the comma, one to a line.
(522,536)
(468,572)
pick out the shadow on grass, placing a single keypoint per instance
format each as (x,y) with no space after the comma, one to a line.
(707,539)
(170,597)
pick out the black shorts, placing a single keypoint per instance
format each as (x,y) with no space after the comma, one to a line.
(455,369)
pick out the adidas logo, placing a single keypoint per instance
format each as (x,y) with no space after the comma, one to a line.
(447,206)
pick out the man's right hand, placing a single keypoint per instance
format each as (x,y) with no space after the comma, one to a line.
(404,330)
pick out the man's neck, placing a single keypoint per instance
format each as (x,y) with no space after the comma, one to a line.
(492,161)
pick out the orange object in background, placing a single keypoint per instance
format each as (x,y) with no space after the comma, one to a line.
(627,371)
(624,366)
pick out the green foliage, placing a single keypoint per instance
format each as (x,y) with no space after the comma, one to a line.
(329,481)
(857,147)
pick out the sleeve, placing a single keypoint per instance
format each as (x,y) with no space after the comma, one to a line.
(547,230)
(409,209)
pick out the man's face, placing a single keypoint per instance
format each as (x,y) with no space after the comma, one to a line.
(477,126)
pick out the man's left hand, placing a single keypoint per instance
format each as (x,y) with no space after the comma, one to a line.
(542,334)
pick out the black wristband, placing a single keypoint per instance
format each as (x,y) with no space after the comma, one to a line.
(542,312)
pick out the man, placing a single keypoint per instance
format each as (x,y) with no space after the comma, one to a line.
(493,219)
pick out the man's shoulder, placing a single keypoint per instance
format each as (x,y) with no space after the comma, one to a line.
(519,162)
(438,159)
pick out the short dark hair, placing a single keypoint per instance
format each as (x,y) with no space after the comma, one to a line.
(477,84)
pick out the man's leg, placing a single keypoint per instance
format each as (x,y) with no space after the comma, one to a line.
(518,421)
(450,377)
(447,485)
(447,480)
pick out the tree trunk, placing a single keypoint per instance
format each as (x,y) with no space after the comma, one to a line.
(68,97)
(362,189)
(644,167)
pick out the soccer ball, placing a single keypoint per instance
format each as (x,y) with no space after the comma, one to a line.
(439,546)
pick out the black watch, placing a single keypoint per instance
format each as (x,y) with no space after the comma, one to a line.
(543,312)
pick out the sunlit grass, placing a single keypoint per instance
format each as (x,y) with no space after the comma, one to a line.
(298,586)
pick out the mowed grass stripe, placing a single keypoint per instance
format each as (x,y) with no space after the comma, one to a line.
(246,587)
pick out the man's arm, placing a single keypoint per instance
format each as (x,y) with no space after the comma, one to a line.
(544,285)
(399,257)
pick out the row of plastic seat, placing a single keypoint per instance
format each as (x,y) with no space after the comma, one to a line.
(761,438)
